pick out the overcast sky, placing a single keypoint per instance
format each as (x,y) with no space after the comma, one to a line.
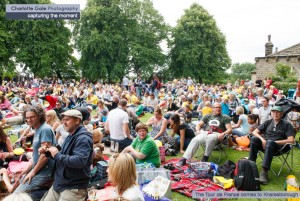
(245,23)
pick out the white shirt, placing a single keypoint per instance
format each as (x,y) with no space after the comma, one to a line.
(145,100)
(152,102)
(264,114)
(63,134)
(116,118)
(37,102)
(133,194)
(189,82)
(125,81)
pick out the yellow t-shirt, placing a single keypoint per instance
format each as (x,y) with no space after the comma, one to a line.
(206,111)
(133,99)
(191,88)
(93,100)
(161,96)
(187,103)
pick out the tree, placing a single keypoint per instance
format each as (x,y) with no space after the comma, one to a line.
(116,37)
(242,71)
(101,36)
(198,48)
(146,31)
(283,70)
(44,48)
(7,43)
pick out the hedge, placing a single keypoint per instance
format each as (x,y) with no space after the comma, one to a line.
(285,86)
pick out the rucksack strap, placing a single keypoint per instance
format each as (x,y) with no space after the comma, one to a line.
(239,177)
(255,172)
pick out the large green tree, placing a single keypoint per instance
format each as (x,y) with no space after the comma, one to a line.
(101,36)
(42,47)
(116,37)
(145,33)
(7,43)
(242,70)
(198,48)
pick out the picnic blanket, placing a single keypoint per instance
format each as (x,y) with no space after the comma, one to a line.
(185,185)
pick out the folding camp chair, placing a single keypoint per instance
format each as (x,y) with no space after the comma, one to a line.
(221,147)
(283,155)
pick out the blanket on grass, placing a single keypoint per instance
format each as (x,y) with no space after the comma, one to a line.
(181,183)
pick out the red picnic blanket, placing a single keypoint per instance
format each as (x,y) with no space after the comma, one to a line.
(186,185)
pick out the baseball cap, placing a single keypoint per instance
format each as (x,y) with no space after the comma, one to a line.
(72,113)
(276,108)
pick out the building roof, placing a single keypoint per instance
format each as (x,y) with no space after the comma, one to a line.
(290,51)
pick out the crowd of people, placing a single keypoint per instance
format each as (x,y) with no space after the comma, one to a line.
(65,122)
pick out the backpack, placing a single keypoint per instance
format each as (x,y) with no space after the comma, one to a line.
(246,176)
(227,169)
(99,172)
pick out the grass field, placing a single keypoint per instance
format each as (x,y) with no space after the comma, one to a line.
(276,183)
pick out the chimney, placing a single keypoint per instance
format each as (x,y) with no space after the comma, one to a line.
(276,49)
(269,47)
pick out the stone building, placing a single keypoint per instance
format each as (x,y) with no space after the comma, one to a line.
(265,66)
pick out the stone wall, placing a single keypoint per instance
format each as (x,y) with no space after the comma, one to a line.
(266,65)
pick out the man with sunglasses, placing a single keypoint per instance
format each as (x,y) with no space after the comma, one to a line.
(59,109)
(209,136)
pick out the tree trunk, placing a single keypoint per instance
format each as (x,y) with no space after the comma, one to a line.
(200,80)
(58,74)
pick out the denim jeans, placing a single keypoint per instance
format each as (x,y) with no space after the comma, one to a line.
(186,141)
(39,181)
(123,143)
(237,132)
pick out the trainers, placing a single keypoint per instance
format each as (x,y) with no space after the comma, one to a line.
(181,162)
(112,146)
(117,147)
(263,178)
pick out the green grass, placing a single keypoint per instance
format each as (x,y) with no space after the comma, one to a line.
(275,184)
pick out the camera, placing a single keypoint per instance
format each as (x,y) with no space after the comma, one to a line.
(48,154)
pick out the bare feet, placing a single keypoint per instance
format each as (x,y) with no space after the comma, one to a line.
(12,187)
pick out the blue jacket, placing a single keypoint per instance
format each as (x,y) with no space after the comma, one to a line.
(73,161)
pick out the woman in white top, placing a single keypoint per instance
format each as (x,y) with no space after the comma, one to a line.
(52,119)
(152,103)
(61,134)
(122,174)
(242,127)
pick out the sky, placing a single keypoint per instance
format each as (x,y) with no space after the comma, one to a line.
(246,24)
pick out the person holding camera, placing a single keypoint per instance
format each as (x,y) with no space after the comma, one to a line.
(73,161)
